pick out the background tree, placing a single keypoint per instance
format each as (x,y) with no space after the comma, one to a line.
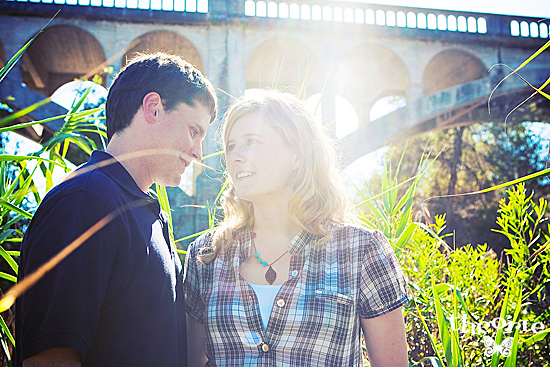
(471,158)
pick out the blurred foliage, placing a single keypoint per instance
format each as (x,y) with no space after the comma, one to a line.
(470,159)
(458,292)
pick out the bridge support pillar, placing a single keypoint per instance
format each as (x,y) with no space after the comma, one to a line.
(414,92)
(225,67)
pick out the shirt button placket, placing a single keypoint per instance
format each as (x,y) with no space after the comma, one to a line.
(265,347)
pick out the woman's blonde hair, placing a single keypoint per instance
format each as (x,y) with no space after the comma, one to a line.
(320,198)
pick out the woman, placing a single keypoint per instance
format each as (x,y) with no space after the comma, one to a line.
(287,279)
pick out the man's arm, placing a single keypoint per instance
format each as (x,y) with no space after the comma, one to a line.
(386,339)
(62,310)
(196,343)
(55,357)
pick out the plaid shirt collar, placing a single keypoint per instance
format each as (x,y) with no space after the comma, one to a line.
(296,247)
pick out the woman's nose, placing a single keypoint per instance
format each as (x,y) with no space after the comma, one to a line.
(238,153)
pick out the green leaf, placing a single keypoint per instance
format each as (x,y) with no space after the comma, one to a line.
(498,338)
(193,235)
(442,324)
(6,69)
(27,110)
(19,158)
(9,260)
(428,332)
(405,236)
(537,337)
(20,211)
(541,173)
(9,277)
(162,197)
(7,330)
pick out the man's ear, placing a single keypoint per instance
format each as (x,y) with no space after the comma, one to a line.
(152,106)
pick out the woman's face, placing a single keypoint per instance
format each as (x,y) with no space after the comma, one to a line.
(260,163)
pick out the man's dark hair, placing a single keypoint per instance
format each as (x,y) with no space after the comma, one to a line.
(174,79)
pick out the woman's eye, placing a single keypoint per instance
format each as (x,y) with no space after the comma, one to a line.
(230,147)
(194,132)
(252,141)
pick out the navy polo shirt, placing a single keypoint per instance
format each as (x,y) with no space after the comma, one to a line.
(117,299)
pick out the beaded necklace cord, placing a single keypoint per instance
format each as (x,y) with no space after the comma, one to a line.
(270,274)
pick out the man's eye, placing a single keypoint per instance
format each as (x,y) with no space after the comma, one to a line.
(252,141)
(230,147)
(194,132)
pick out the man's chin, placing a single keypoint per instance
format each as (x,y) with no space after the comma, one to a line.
(170,182)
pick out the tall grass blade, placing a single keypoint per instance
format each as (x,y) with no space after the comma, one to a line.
(6,69)
(498,339)
(162,196)
(16,115)
(11,262)
(428,332)
(442,325)
(7,331)
(17,210)
(537,337)
(9,277)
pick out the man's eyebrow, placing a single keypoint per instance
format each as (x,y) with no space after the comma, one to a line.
(201,130)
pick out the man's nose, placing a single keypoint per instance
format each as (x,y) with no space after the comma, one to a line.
(196,152)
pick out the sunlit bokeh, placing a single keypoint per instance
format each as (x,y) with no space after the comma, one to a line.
(345,119)
(386,105)
(14,143)
(68,94)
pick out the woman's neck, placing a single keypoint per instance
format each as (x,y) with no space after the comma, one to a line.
(275,222)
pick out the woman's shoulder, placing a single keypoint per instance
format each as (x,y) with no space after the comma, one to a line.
(358,236)
(201,244)
(352,230)
(205,242)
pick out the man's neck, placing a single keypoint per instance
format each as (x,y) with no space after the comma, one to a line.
(132,160)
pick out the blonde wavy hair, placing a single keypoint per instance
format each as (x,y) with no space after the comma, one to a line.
(320,199)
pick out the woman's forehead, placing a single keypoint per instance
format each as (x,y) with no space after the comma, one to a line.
(250,123)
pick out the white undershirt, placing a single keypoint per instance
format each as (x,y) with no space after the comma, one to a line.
(266,297)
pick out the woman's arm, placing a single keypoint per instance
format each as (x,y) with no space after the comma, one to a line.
(196,343)
(386,340)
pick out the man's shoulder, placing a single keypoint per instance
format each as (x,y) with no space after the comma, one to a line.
(85,180)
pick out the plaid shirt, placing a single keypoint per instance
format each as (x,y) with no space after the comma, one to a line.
(315,319)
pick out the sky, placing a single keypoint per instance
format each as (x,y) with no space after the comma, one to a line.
(528,8)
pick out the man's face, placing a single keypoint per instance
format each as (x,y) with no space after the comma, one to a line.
(180,131)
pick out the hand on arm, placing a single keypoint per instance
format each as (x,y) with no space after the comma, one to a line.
(196,343)
(55,357)
(386,339)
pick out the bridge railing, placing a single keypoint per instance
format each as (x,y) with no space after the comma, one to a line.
(392,18)
(191,6)
(398,17)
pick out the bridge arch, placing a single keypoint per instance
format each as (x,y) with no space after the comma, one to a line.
(167,41)
(285,63)
(60,54)
(367,74)
(450,68)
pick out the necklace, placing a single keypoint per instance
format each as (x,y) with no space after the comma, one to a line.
(270,274)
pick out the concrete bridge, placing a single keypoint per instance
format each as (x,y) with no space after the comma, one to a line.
(434,62)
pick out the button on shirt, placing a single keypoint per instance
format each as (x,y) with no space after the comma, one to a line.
(316,321)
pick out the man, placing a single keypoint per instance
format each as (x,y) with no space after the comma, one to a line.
(116,300)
